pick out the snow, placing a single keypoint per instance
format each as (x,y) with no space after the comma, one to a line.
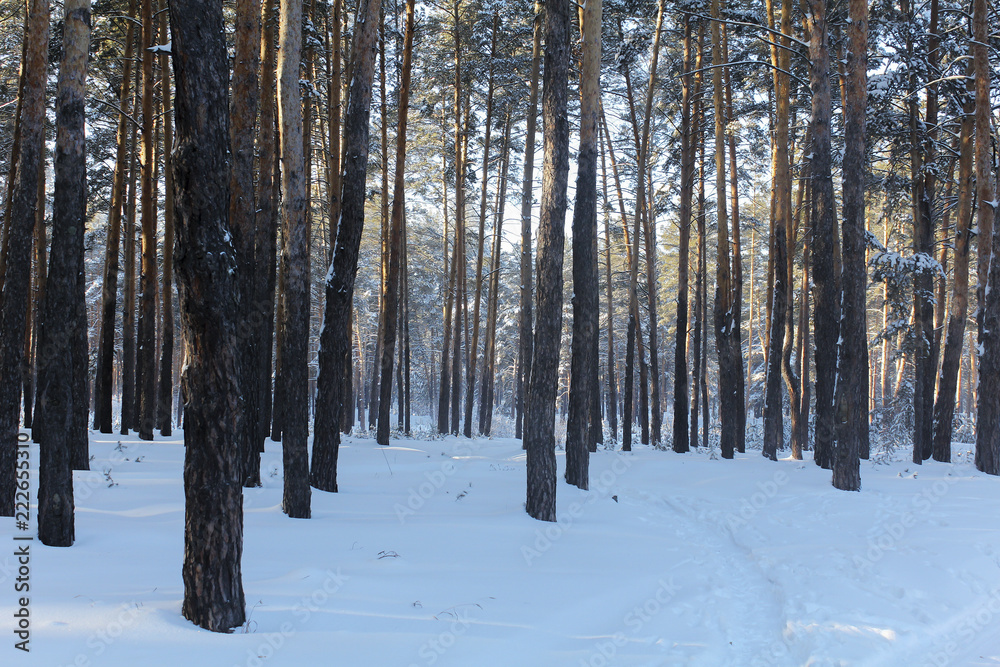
(161,48)
(426,557)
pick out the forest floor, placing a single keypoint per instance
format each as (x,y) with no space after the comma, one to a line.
(426,557)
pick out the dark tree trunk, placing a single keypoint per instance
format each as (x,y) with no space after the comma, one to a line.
(295,268)
(827,290)
(525,316)
(723,308)
(335,337)
(19,232)
(243,223)
(489,369)
(988,395)
(266,232)
(213,526)
(539,423)
(62,370)
(146,352)
(104,378)
(580,436)
(166,391)
(128,417)
(470,379)
(852,374)
(944,408)
(682,397)
(390,300)
(612,381)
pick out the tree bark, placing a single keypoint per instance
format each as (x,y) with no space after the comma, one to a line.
(18,269)
(266,234)
(295,268)
(988,399)
(580,436)
(827,289)
(243,223)
(852,413)
(104,378)
(146,339)
(62,369)
(390,300)
(166,391)
(335,334)
(527,184)
(539,428)
(944,407)
(213,527)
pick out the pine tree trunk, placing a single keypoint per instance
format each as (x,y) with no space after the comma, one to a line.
(988,317)
(335,335)
(295,268)
(611,378)
(470,380)
(104,378)
(390,299)
(525,322)
(213,527)
(62,370)
(944,408)
(489,371)
(128,417)
(266,233)
(580,436)
(852,413)
(166,391)
(146,351)
(539,426)
(723,310)
(825,244)
(243,223)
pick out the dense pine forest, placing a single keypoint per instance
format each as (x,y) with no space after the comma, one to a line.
(693,225)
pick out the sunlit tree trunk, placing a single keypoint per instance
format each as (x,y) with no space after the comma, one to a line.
(539,427)
(62,372)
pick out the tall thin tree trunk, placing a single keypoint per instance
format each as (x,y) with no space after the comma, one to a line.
(539,427)
(266,233)
(294,267)
(852,374)
(104,378)
(146,351)
(335,335)
(243,223)
(62,369)
(213,525)
(129,413)
(390,299)
(166,391)
(525,323)
(580,436)
(825,244)
(944,408)
(988,394)
(724,306)
(470,381)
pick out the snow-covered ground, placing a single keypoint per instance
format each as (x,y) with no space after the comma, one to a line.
(426,557)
